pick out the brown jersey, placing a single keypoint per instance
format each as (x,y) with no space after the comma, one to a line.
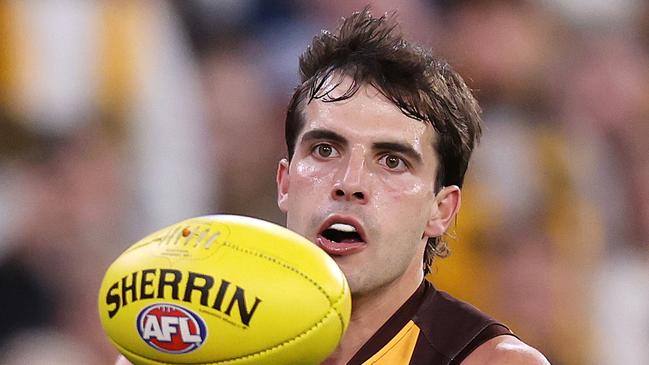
(430,328)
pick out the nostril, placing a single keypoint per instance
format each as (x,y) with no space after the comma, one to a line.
(340,193)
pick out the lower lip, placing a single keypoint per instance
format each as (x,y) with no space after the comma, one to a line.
(339,249)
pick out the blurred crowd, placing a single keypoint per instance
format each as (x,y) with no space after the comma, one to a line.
(120,117)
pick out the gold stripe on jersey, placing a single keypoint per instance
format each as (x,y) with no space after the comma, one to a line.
(400,348)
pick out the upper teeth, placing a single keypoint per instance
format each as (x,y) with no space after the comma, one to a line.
(343,227)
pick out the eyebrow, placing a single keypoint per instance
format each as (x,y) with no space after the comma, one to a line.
(318,134)
(399,147)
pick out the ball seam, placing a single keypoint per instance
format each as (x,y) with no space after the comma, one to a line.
(287,266)
(332,302)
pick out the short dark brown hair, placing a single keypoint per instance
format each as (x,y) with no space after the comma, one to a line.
(372,51)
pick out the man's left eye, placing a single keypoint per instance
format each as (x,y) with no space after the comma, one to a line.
(393,162)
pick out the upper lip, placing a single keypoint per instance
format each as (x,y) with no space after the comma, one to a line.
(346,220)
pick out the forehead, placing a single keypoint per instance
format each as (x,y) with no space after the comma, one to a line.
(368,116)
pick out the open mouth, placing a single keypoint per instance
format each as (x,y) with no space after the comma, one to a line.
(342,233)
(341,238)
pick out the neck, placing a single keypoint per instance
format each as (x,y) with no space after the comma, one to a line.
(370,311)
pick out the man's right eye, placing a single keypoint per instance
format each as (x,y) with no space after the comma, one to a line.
(325,150)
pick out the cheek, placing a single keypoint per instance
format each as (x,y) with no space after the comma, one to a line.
(307,178)
(407,200)
(305,170)
(309,188)
(404,188)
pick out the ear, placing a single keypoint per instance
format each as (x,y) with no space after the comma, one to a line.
(282,179)
(446,206)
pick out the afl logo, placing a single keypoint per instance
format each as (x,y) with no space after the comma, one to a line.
(171,328)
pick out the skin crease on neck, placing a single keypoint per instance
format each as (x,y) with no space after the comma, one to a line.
(396,206)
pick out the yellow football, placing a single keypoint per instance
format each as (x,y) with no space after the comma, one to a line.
(224,289)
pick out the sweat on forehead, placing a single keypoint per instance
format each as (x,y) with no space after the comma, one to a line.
(358,114)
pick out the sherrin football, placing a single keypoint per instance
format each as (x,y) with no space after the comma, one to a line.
(224,289)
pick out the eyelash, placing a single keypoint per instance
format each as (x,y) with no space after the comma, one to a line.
(405,163)
(315,148)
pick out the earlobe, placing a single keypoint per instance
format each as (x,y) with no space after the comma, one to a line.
(447,205)
(282,180)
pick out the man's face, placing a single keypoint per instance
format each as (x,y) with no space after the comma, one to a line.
(360,185)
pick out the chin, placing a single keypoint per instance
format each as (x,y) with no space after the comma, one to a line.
(360,283)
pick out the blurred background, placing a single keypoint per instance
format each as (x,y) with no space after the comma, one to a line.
(120,117)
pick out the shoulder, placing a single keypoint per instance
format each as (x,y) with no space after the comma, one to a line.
(505,350)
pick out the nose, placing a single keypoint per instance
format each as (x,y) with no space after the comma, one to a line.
(351,184)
